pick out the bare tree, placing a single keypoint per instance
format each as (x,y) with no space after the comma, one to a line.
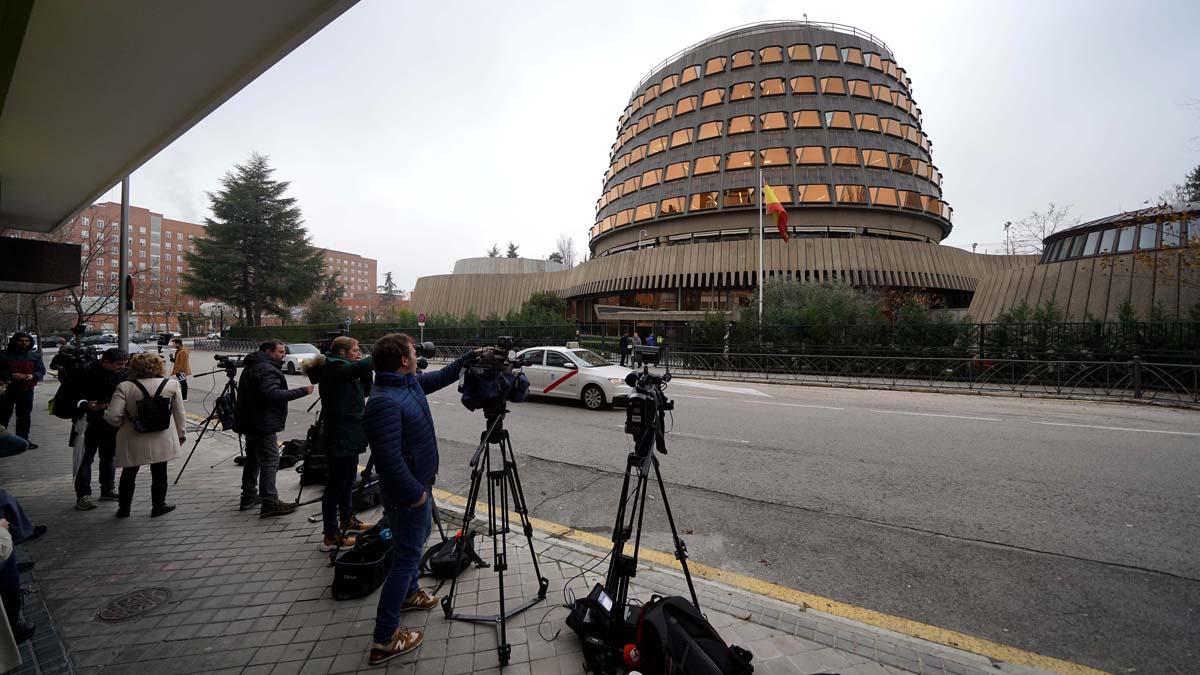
(565,248)
(100,283)
(1029,233)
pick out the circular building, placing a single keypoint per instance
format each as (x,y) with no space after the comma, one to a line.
(825,112)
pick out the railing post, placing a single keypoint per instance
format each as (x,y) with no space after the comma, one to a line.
(1137,376)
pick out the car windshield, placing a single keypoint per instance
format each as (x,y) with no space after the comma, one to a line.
(302,349)
(589,358)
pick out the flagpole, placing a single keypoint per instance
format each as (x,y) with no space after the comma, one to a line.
(760,244)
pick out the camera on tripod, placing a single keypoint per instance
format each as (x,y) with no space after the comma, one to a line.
(645,412)
(228,362)
(494,378)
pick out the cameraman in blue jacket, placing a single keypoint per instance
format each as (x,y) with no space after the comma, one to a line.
(400,432)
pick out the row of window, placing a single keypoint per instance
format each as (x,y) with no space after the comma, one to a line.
(804,84)
(812,194)
(774,54)
(808,155)
(772,121)
(1144,237)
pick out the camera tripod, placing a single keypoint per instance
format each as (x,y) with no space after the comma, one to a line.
(224,408)
(503,484)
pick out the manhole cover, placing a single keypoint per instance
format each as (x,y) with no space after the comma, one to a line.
(133,604)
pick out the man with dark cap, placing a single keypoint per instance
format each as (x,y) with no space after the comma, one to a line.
(97,384)
(21,368)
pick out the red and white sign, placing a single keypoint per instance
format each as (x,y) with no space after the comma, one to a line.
(421,320)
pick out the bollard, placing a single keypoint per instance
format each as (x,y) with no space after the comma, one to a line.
(1137,377)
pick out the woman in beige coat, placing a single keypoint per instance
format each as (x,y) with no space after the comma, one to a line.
(155,448)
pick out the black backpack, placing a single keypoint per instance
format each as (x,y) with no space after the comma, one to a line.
(443,561)
(315,466)
(153,412)
(291,452)
(674,638)
(67,397)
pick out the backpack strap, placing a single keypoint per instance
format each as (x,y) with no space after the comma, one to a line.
(145,394)
(161,386)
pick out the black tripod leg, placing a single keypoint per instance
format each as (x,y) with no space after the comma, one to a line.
(468,516)
(680,547)
(203,429)
(522,510)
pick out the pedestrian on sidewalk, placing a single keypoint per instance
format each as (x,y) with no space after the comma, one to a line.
(399,428)
(262,410)
(96,386)
(181,365)
(138,448)
(21,369)
(343,379)
(626,344)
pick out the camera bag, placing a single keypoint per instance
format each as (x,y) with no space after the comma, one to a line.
(315,466)
(449,557)
(153,412)
(358,571)
(674,638)
(291,452)
(365,494)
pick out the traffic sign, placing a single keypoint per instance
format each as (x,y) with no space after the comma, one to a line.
(421,320)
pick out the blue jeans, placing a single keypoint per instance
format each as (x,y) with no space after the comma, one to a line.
(339,493)
(12,444)
(410,528)
(19,525)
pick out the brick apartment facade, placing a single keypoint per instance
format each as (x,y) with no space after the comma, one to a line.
(157,248)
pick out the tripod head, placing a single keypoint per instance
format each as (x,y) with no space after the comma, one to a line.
(645,412)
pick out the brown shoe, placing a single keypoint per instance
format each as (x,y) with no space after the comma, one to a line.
(343,541)
(274,507)
(403,641)
(356,525)
(421,600)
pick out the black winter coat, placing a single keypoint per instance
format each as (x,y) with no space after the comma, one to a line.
(97,383)
(263,396)
(343,386)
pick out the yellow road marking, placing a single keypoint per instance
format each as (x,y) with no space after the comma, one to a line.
(924,631)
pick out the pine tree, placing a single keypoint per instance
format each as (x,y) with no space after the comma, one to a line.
(255,255)
(512,250)
(1191,185)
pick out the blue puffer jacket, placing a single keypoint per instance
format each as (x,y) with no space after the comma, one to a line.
(400,431)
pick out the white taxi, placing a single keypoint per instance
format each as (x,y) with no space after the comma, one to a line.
(569,372)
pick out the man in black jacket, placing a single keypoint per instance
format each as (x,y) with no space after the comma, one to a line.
(96,386)
(262,410)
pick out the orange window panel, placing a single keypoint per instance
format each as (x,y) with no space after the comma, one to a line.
(741,125)
(681,137)
(703,201)
(709,164)
(742,159)
(838,119)
(775,157)
(743,59)
(783,193)
(800,52)
(867,122)
(771,87)
(631,185)
(712,97)
(828,53)
(711,130)
(812,194)
(656,145)
(637,154)
(806,119)
(623,217)
(671,206)
(872,60)
(651,177)
(859,88)
(891,127)
(651,93)
(851,194)
(852,55)
(645,212)
(689,74)
(883,196)
(810,154)
(882,93)
(773,120)
(685,105)
(715,65)
(739,197)
(676,171)
(845,156)
(741,91)
(770,55)
(669,82)
(909,200)
(662,114)
(901,162)
(804,84)
(875,159)
(644,123)
(833,85)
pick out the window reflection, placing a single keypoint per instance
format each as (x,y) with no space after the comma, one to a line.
(685,105)
(1107,241)
(689,74)
(741,91)
(743,59)
(889,67)
(742,159)
(676,171)
(1147,236)
(651,93)
(910,200)
(838,119)
(623,217)
(773,120)
(775,157)
(812,194)
(804,84)
(644,123)
(714,65)
(712,97)
(852,55)
(1172,234)
(681,137)
(882,93)
(637,154)
(651,177)
(741,124)
(656,145)
(783,193)
(845,155)
(1077,245)
(875,159)
(800,53)
(770,54)
(630,185)
(711,130)
(891,127)
(806,119)
(881,196)
(827,53)
(739,197)
(671,206)
(1125,239)
(771,87)
(901,162)
(867,122)
(670,82)
(833,85)
(872,61)
(1093,238)
(662,114)
(703,201)
(709,164)
(645,212)
(810,154)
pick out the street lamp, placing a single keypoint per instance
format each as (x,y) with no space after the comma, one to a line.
(641,233)
(973,247)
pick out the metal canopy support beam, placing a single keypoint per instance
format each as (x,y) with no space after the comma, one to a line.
(123,296)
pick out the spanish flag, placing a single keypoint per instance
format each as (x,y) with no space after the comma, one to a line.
(774,208)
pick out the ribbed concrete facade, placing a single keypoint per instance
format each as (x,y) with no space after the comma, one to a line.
(1146,258)
(870,263)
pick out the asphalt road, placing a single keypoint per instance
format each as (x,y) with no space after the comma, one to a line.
(1064,528)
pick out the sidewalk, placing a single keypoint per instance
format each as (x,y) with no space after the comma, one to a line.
(250,595)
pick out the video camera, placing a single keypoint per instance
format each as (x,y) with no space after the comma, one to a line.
(494,377)
(646,409)
(229,362)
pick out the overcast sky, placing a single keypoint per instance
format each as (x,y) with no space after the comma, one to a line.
(420,133)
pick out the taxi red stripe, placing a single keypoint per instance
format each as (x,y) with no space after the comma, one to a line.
(559,381)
